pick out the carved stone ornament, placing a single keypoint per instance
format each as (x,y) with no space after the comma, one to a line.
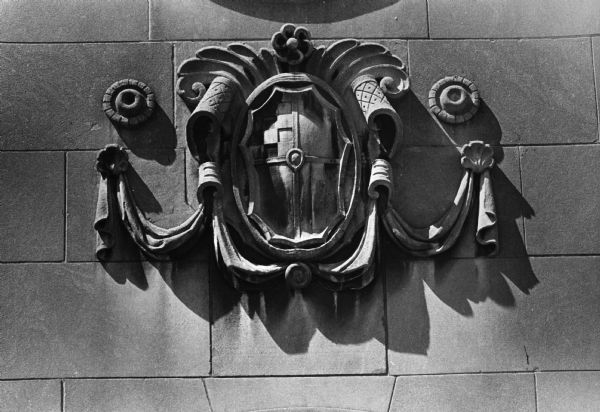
(293,147)
(128,102)
(454,99)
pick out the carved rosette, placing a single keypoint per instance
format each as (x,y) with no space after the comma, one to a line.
(454,99)
(292,44)
(128,102)
(477,156)
(112,161)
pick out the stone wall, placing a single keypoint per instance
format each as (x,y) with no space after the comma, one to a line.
(464,332)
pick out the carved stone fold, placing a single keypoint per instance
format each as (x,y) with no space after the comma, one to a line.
(293,148)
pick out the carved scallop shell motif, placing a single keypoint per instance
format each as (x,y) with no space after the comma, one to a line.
(112,160)
(477,156)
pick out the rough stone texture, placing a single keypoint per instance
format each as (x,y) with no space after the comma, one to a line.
(367,393)
(30,396)
(83,320)
(73,20)
(513,18)
(230,19)
(563,189)
(312,332)
(32,199)
(52,95)
(568,391)
(158,187)
(510,392)
(533,91)
(131,395)
(596,58)
(474,315)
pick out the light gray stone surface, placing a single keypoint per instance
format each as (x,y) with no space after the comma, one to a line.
(568,391)
(32,199)
(364,393)
(311,333)
(84,320)
(52,95)
(30,396)
(596,52)
(563,189)
(533,91)
(474,315)
(133,395)
(73,20)
(481,392)
(230,19)
(513,18)
(158,188)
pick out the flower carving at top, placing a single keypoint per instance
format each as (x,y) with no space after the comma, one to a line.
(292,44)
(112,161)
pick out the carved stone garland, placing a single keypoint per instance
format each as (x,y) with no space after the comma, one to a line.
(293,146)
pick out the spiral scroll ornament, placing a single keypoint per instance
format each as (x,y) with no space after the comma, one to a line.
(128,102)
(454,99)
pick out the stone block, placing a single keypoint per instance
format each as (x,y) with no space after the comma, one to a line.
(33,206)
(482,392)
(31,396)
(533,91)
(512,18)
(229,19)
(52,95)
(135,395)
(73,21)
(563,190)
(313,332)
(568,391)
(596,58)
(370,393)
(120,320)
(159,190)
(489,315)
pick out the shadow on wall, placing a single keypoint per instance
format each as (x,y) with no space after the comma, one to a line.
(153,140)
(305,11)
(426,176)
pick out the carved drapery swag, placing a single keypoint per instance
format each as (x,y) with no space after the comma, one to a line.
(293,147)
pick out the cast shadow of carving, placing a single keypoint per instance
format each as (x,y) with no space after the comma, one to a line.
(427,170)
(155,139)
(464,276)
(305,11)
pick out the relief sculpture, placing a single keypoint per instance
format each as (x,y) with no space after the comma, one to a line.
(293,147)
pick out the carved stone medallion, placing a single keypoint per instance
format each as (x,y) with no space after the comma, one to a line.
(293,147)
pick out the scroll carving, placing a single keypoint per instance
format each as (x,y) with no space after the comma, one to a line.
(293,148)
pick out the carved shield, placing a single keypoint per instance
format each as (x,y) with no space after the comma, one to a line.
(300,167)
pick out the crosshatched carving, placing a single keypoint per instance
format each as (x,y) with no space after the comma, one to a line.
(293,148)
